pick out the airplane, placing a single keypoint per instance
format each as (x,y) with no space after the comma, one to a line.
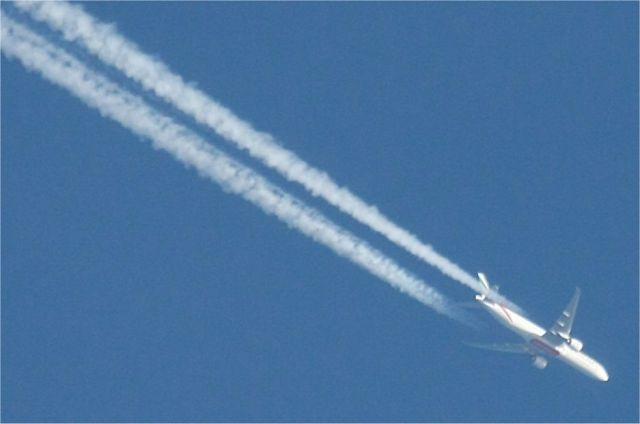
(540,344)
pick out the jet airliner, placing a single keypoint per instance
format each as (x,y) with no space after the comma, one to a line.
(541,344)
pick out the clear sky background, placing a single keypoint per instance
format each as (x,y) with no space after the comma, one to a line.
(506,135)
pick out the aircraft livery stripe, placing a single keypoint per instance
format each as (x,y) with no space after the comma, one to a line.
(506,311)
(545,347)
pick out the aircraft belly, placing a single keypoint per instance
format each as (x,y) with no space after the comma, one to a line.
(584,363)
(543,347)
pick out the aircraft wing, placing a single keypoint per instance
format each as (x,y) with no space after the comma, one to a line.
(502,347)
(563,325)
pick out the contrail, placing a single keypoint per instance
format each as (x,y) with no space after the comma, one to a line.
(113,102)
(115,50)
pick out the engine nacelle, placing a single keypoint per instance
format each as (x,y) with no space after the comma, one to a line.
(539,362)
(576,344)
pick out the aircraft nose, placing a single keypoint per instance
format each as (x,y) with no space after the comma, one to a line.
(601,374)
(605,376)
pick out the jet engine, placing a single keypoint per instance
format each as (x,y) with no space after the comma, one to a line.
(539,362)
(576,344)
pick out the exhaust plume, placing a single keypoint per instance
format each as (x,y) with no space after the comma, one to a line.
(113,102)
(115,50)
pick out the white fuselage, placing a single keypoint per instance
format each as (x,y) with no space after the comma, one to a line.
(542,342)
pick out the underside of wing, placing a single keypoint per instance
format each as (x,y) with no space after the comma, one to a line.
(563,325)
(502,347)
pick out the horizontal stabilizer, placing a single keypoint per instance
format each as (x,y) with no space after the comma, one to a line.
(469,305)
(502,347)
(484,281)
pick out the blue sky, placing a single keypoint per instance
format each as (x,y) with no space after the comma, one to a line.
(504,134)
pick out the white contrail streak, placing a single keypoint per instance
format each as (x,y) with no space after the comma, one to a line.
(113,102)
(115,50)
